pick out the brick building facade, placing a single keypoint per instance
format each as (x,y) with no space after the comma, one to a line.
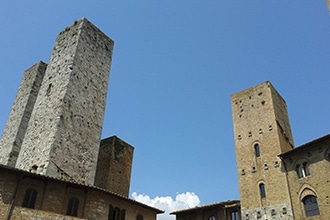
(276,179)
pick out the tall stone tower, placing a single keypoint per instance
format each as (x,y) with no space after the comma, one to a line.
(63,133)
(262,132)
(12,137)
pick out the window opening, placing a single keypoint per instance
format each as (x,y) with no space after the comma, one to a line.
(139,217)
(234,215)
(262,190)
(302,170)
(299,171)
(73,206)
(306,169)
(122,214)
(311,206)
(257,150)
(30,198)
(212,218)
(258,214)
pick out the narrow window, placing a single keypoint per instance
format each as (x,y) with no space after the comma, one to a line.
(306,169)
(302,170)
(234,216)
(299,171)
(30,198)
(73,206)
(122,214)
(114,213)
(262,190)
(212,218)
(110,215)
(257,150)
(139,217)
(311,206)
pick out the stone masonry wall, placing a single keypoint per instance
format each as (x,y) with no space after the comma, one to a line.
(14,132)
(63,135)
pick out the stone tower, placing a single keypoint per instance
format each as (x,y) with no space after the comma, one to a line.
(114,166)
(262,132)
(12,137)
(63,134)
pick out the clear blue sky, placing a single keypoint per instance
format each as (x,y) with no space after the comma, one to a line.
(175,65)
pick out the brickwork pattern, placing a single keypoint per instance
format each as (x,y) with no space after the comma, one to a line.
(53,196)
(260,118)
(317,183)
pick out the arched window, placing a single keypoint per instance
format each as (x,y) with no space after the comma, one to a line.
(212,218)
(73,206)
(116,214)
(257,150)
(122,214)
(303,170)
(30,198)
(262,190)
(306,168)
(234,215)
(139,217)
(311,206)
(299,171)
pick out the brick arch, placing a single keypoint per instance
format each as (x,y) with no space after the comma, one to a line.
(300,161)
(306,190)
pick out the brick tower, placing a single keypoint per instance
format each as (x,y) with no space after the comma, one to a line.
(63,134)
(262,132)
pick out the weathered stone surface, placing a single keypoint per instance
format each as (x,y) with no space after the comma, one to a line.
(13,135)
(114,166)
(63,135)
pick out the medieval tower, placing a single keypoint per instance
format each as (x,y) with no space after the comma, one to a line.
(59,109)
(262,132)
(53,163)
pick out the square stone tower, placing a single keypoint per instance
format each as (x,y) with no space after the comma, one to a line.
(114,166)
(262,132)
(18,120)
(64,130)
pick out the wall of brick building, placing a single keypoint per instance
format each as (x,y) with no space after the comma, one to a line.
(219,211)
(317,183)
(53,196)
